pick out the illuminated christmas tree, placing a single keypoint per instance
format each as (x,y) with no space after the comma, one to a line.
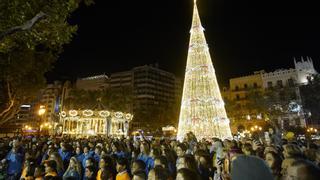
(202,108)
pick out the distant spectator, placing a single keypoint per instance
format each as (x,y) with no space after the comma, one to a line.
(187,174)
(73,170)
(158,173)
(39,172)
(274,162)
(14,160)
(304,170)
(122,169)
(138,166)
(50,168)
(90,173)
(57,158)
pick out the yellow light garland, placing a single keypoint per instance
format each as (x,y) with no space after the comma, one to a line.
(202,108)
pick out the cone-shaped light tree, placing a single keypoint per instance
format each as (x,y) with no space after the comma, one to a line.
(202,108)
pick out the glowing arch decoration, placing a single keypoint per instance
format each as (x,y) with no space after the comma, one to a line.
(128,116)
(118,114)
(104,114)
(63,114)
(88,122)
(73,113)
(87,112)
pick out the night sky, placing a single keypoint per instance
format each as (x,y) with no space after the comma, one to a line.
(243,36)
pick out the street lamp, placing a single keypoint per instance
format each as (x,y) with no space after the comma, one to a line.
(312,130)
(42,110)
(256,128)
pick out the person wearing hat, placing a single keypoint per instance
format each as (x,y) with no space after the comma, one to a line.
(50,168)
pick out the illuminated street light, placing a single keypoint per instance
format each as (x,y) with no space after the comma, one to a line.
(312,130)
(42,110)
(256,128)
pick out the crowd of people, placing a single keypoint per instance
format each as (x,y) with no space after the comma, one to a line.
(102,158)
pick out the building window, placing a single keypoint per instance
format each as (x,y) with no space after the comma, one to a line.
(290,82)
(245,86)
(270,84)
(255,85)
(238,97)
(237,88)
(279,83)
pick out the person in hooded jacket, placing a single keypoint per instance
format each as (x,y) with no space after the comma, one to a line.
(250,168)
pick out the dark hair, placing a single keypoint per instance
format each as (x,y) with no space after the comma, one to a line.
(140,174)
(182,146)
(156,151)
(52,164)
(188,174)
(41,168)
(190,162)
(109,169)
(70,178)
(208,161)
(161,173)
(163,160)
(52,178)
(277,161)
(117,145)
(141,165)
(31,168)
(99,148)
(91,169)
(310,170)
(122,161)
(92,160)
(247,147)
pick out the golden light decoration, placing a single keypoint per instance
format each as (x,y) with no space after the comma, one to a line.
(202,108)
(73,113)
(63,114)
(42,110)
(312,130)
(128,116)
(118,114)
(87,112)
(104,113)
(256,128)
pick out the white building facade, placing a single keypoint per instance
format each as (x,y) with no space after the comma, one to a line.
(290,77)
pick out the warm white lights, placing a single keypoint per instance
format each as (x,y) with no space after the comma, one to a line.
(104,113)
(202,108)
(73,113)
(92,122)
(87,112)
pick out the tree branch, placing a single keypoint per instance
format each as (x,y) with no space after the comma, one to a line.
(7,109)
(26,26)
(9,115)
(11,100)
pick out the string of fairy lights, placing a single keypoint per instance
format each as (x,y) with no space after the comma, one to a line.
(202,108)
(91,122)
